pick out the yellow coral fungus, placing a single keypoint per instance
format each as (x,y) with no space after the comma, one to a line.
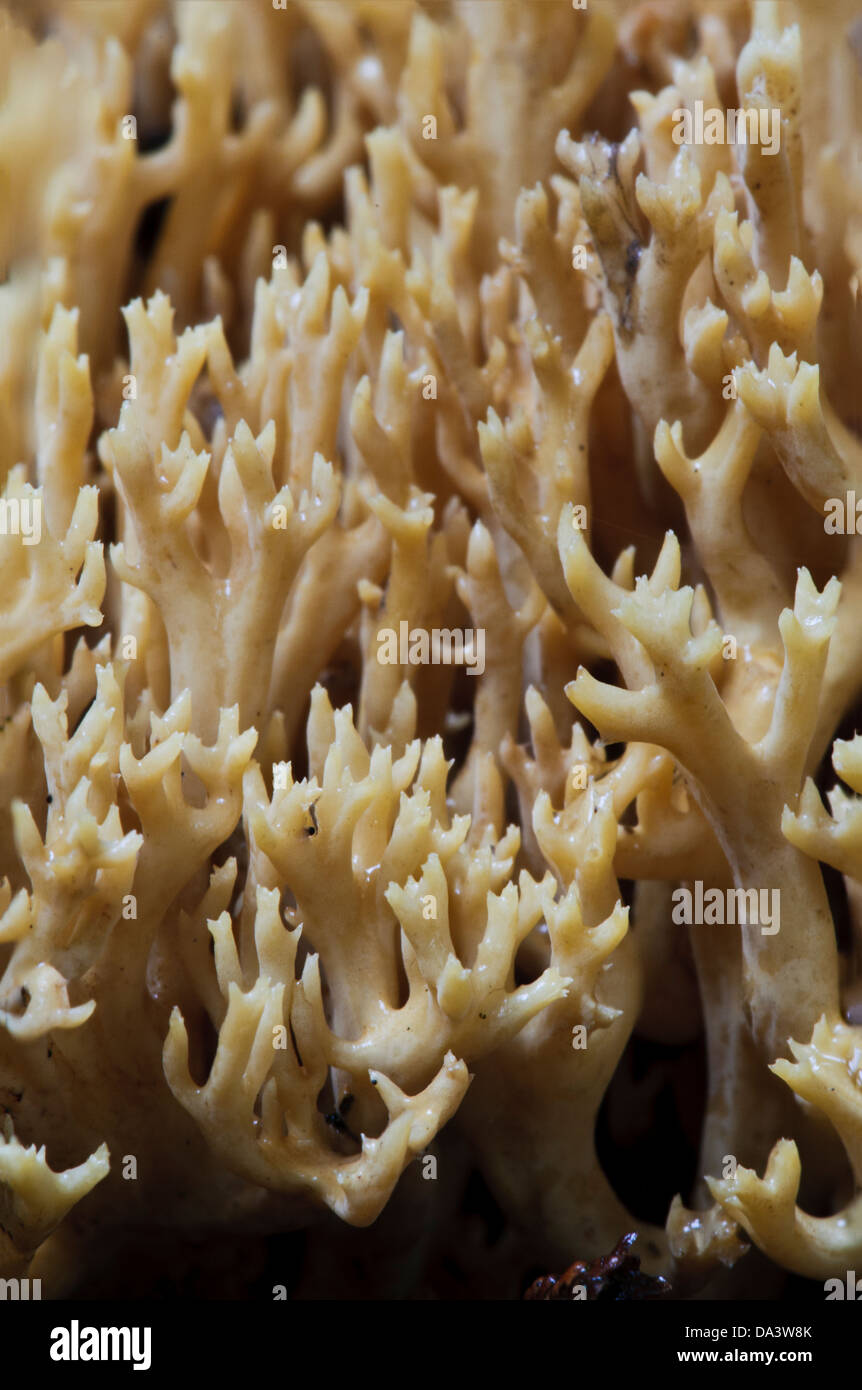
(339,326)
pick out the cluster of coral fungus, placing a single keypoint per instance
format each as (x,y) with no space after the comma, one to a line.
(324,318)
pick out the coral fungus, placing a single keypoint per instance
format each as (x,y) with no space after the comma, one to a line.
(335,326)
